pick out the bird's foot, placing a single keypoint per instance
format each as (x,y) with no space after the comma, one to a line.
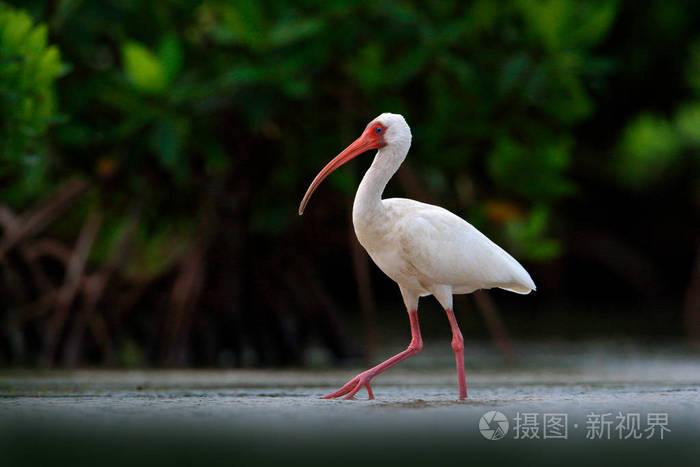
(353,386)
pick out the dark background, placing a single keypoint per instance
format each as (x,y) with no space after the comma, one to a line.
(153,155)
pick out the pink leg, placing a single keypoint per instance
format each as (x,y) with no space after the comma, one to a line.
(364,378)
(458,347)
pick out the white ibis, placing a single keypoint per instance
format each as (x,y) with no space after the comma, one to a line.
(425,249)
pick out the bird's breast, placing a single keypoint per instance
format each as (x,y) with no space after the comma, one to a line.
(384,247)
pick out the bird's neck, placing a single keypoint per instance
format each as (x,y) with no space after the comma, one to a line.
(368,206)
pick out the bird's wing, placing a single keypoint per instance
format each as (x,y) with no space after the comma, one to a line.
(446,249)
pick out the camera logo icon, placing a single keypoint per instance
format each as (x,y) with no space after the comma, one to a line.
(493,425)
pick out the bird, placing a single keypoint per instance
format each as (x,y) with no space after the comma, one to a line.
(425,249)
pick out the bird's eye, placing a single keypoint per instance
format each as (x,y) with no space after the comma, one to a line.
(378,130)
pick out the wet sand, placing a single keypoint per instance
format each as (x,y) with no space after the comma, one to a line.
(266,417)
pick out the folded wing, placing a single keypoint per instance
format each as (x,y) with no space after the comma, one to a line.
(446,249)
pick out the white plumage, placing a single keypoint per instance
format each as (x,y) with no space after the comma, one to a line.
(425,249)
(439,248)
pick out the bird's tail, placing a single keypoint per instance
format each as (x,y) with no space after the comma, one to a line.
(521,281)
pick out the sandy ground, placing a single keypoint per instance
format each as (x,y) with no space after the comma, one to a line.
(591,396)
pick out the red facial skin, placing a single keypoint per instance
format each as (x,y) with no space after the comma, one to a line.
(371,134)
(370,139)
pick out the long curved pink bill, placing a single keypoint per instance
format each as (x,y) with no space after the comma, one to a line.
(360,145)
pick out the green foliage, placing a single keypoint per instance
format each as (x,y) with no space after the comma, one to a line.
(563,24)
(554,126)
(143,69)
(148,72)
(534,173)
(687,121)
(529,235)
(156,250)
(649,146)
(172,101)
(28,69)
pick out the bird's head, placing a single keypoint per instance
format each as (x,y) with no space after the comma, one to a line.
(396,130)
(388,130)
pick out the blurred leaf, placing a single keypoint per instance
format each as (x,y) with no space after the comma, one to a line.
(242,21)
(154,252)
(28,69)
(293,30)
(16,26)
(482,16)
(143,69)
(242,74)
(166,141)
(110,233)
(595,19)
(688,122)
(527,235)
(513,72)
(408,65)
(464,71)
(559,24)
(366,68)
(546,20)
(562,94)
(534,173)
(170,56)
(649,147)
